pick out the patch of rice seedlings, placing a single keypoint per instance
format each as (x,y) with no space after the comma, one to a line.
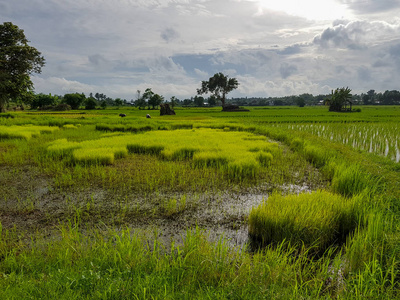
(350,180)
(24,132)
(239,170)
(239,154)
(319,219)
(102,156)
(209,159)
(265,159)
(175,126)
(62,147)
(297,144)
(316,155)
(144,149)
(69,126)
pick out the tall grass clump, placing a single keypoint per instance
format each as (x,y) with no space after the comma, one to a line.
(371,262)
(319,219)
(349,180)
(316,155)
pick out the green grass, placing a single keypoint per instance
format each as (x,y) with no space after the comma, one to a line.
(75,204)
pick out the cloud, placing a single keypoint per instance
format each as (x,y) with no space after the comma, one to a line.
(287,70)
(169,34)
(355,35)
(371,6)
(364,73)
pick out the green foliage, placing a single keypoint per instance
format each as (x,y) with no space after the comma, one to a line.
(74,100)
(340,99)
(17,61)
(41,100)
(219,85)
(90,103)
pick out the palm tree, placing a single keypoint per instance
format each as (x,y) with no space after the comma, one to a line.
(339,100)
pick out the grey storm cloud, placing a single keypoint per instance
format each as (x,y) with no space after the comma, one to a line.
(169,34)
(287,70)
(371,6)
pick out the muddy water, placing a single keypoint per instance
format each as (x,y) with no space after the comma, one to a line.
(220,216)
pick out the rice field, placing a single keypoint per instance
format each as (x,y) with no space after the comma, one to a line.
(281,203)
(381,139)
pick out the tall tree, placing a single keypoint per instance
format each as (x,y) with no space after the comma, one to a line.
(155,100)
(18,61)
(148,93)
(219,85)
(74,100)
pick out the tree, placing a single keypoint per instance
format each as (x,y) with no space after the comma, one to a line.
(300,101)
(118,102)
(339,100)
(103,104)
(155,100)
(198,101)
(90,103)
(173,102)
(41,100)
(74,100)
(148,93)
(219,85)
(18,61)
(212,101)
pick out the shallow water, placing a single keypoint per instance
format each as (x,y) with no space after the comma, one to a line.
(221,216)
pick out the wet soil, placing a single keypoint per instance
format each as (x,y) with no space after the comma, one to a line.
(31,204)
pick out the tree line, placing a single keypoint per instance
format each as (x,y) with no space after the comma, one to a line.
(369,98)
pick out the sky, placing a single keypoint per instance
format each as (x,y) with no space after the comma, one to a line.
(273,48)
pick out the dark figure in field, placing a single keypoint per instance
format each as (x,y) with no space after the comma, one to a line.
(122,115)
(148,116)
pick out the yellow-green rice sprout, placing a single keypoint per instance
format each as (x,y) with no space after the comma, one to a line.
(317,219)
(24,132)
(240,154)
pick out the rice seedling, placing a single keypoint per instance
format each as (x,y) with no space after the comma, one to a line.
(70,126)
(24,132)
(319,219)
(351,180)
(240,154)
(381,139)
